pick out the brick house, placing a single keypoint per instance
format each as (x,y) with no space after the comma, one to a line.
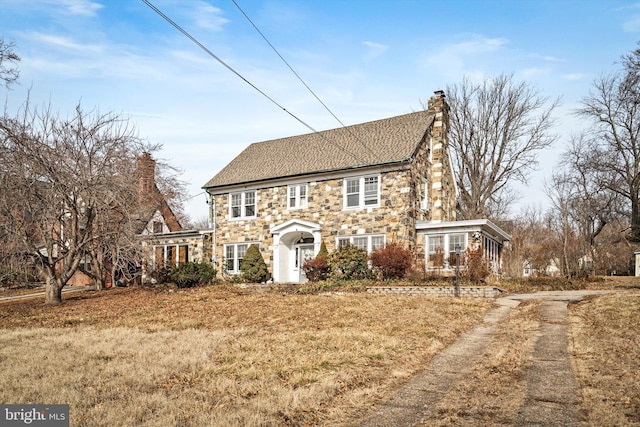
(164,242)
(369,184)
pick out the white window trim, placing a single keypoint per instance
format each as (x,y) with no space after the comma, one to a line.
(236,264)
(369,238)
(361,192)
(243,195)
(447,245)
(298,204)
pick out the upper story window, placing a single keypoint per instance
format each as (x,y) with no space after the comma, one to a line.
(157,227)
(362,192)
(242,205)
(297,196)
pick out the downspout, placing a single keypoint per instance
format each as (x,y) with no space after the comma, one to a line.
(212,203)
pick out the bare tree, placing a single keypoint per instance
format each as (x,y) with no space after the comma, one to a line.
(613,107)
(561,223)
(64,181)
(497,129)
(9,72)
(531,243)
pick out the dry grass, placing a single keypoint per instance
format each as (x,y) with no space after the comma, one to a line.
(217,356)
(495,388)
(605,344)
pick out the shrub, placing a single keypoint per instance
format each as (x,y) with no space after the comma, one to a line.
(323,252)
(393,261)
(349,262)
(160,275)
(478,267)
(316,269)
(253,267)
(193,274)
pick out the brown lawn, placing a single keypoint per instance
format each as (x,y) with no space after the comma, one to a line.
(220,356)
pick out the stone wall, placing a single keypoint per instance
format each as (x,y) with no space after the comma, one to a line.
(448,291)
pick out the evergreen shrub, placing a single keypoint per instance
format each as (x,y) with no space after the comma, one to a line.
(193,274)
(349,262)
(253,267)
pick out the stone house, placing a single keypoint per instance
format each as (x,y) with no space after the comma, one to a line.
(369,184)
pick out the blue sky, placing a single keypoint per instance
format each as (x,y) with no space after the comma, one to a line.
(366,60)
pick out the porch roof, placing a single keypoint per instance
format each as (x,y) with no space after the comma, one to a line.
(466,226)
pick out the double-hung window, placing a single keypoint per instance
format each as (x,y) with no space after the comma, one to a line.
(297,198)
(242,205)
(456,240)
(367,243)
(233,256)
(436,251)
(362,192)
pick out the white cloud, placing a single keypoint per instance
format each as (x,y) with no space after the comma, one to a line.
(574,76)
(478,44)
(62,42)
(462,58)
(206,16)
(78,7)
(374,50)
(547,58)
(528,73)
(61,7)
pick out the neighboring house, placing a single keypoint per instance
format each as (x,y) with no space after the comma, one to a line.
(369,184)
(552,269)
(165,243)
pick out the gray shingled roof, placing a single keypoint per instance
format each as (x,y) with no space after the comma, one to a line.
(384,141)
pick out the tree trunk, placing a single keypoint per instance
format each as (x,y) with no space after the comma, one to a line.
(635,220)
(53,291)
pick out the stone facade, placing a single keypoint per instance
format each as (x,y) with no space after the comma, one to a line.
(394,217)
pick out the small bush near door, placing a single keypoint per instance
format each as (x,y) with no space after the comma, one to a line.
(317,269)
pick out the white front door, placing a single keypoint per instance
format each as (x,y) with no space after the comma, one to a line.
(300,253)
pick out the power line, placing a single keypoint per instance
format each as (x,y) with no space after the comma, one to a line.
(299,78)
(214,56)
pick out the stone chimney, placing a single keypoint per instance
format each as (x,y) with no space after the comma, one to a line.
(442,189)
(146,176)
